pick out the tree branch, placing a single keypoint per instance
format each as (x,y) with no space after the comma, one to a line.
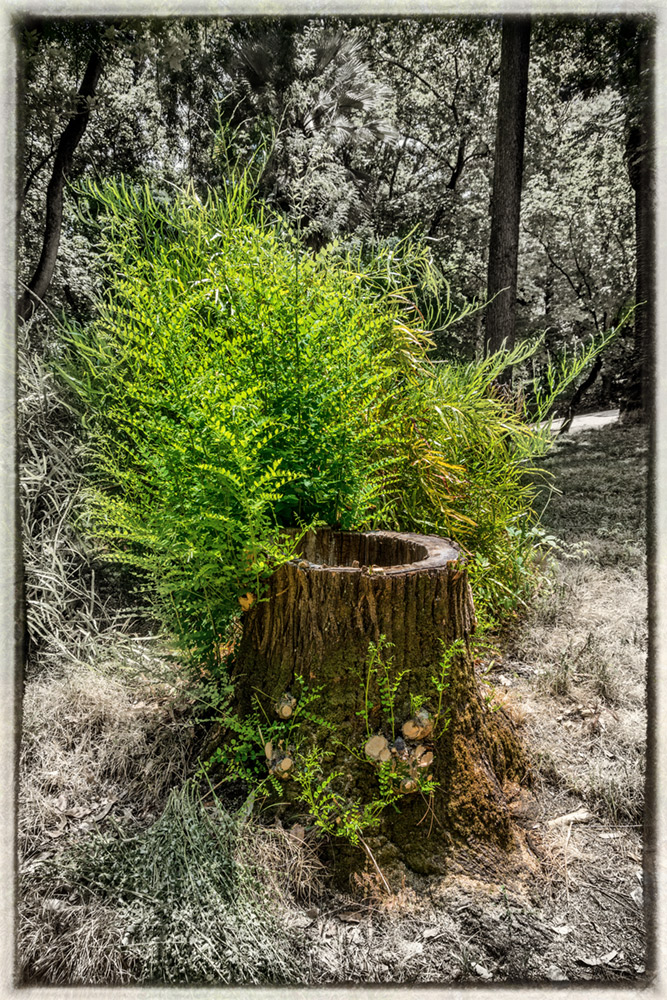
(69,140)
(418,76)
(33,173)
(586,306)
(457,170)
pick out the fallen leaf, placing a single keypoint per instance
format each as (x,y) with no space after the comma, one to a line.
(246,600)
(430,932)
(564,929)
(57,905)
(78,812)
(588,961)
(608,957)
(355,935)
(52,834)
(481,971)
(99,816)
(410,949)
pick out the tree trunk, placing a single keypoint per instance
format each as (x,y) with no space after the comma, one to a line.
(645,231)
(322,611)
(508,170)
(579,394)
(69,140)
(639,153)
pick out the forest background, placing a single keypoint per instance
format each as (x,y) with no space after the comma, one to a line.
(377,129)
(363,129)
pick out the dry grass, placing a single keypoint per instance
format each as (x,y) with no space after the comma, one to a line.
(580,661)
(585,676)
(196,896)
(72,601)
(288,864)
(93,743)
(124,882)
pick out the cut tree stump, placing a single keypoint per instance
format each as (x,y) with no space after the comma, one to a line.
(321,611)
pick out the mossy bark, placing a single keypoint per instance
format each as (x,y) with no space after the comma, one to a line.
(318,618)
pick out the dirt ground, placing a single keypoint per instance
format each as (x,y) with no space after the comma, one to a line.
(102,748)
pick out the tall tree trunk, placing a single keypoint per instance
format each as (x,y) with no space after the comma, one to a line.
(69,141)
(636,75)
(645,222)
(348,590)
(506,201)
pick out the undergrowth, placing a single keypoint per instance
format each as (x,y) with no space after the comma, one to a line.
(233,385)
(195,897)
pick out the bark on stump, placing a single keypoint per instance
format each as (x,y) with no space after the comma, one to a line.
(323,609)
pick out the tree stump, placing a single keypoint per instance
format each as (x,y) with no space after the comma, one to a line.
(321,611)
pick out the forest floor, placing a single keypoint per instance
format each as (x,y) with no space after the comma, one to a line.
(118,888)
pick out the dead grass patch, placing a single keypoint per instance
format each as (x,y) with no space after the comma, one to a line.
(91,744)
(196,896)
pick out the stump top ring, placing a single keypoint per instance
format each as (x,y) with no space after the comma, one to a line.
(389,553)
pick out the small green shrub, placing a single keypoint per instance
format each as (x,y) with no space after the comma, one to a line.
(243,753)
(232,385)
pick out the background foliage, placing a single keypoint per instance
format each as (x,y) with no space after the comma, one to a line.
(366,130)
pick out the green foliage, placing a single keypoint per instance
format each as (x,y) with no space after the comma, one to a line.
(243,751)
(378,672)
(330,811)
(232,385)
(468,421)
(380,675)
(440,684)
(242,754)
